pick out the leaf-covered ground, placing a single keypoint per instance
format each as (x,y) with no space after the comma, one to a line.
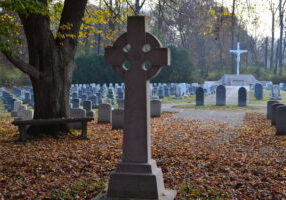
(200,160)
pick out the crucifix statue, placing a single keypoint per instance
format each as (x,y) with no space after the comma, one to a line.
(238,51)
(137,57)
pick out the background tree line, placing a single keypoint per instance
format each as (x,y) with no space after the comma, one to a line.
(204,29)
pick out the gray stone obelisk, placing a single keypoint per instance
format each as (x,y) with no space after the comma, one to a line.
(137,176)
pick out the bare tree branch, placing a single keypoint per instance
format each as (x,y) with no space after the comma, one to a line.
(23,66)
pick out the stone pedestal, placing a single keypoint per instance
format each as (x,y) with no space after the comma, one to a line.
(138,181)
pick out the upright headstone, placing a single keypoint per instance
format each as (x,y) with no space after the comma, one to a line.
(75,103)
(275,92)
(155,107)
(220,96)
(87,105)
(104,113)
(94,101)
(117,119)
(137,176)
(17,105)
(77,113)
(281,120)
(200,96)
(120,104)
(242,96)
(258,91)
(269,109)
(273,111)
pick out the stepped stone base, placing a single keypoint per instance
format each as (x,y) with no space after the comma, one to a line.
(137,181)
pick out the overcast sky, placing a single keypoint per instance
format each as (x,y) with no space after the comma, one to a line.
(261,12)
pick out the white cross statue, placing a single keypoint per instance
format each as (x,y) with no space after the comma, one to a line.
(238,52)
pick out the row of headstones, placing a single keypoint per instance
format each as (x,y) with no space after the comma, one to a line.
(116,116)
(221,96)
(274,94)
(21,111)
(26,95)
(180,90)
(97,93)
(276,112)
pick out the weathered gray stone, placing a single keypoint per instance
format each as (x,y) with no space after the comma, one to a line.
(220,95)
(120,104)
(269,109)
(155,107)
(281,120)
(117,119)
(137,176)
(77,113)
(87,105)
(104,113)
(273,111)
(200,96)
(242,97)
(25,114)
(258,91)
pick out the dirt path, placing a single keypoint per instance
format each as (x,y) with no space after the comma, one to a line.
(229,117)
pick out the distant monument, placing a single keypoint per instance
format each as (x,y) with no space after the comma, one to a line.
(237,79)
(237,52)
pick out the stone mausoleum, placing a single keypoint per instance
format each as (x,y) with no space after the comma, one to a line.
(237,80)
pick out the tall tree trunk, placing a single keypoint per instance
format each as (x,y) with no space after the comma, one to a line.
(277,57)
(281,18)
(233,66)
(272,41)
(51,61)
(266,53)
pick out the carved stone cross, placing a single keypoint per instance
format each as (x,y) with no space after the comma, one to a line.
(137,57)
(238,52)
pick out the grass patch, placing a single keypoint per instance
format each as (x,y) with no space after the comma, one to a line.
(214,107)
(253,100)
(3,112)
(77,188)
(171,100)
(193,192)
(283,96)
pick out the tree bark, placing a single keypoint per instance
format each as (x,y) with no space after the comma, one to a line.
(233,67)
(272,41)
(281,18)
(51,62)
(266,53)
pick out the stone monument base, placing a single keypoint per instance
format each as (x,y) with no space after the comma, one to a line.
(237,80)
(137,181)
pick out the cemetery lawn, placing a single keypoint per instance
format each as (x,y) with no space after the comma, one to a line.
(3,112)
(253,100)
(214,107)
(266,93)
(171,100)
(202,160)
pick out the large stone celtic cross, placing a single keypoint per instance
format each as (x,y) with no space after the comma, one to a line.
(137,57)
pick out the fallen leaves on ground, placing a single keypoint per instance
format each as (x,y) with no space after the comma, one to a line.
(202,160)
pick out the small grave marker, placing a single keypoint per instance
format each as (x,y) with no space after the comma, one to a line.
(220,96)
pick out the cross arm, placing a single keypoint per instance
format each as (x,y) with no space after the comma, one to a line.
(159,56)
(114,56)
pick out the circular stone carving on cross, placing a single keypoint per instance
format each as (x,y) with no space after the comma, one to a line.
(148,53)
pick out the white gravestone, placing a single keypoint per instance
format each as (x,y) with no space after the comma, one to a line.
(77,113)
(104,113)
